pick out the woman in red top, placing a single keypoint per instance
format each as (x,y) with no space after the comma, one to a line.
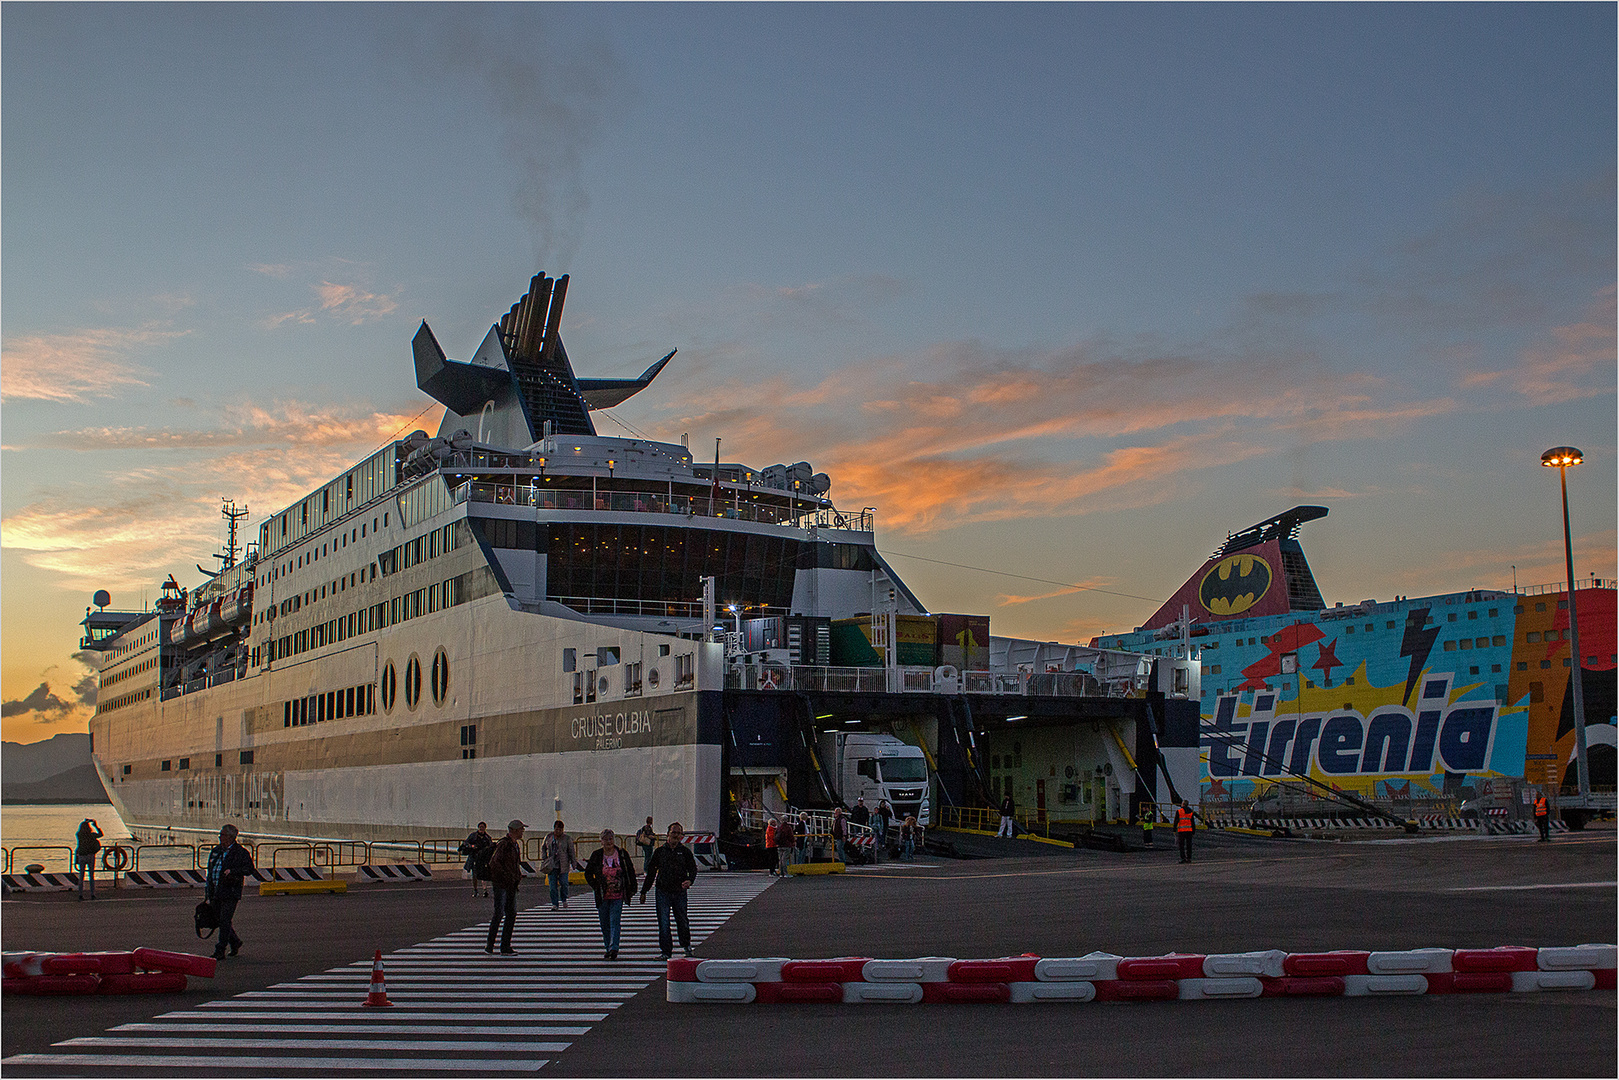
(770,844)
(611,874)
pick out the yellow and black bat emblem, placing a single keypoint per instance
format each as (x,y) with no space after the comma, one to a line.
(1234,584)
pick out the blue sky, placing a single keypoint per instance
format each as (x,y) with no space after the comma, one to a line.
(1065,291)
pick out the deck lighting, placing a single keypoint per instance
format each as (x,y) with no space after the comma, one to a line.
(1560,458)
(1011,718)
(826,716)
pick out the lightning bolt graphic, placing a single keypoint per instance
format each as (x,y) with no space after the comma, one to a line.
(1417,644)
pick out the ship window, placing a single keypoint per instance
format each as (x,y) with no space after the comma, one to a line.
(1450,617)
(570,659)
(219,760)
(1368,628)
(1450,646)
(1540,607)
(440,677)
(166,766)
(185,763)
(247,757)
(1472,614)
(1465,643)
(607,656)
(127,768)
(1523,665)
(1495,669)
(1532,637)
(1494,612)
(663,650)
(286,714)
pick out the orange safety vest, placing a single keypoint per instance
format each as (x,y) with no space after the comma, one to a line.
(1183,820)
(1540,806)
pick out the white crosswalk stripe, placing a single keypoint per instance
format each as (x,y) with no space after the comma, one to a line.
(481,1014)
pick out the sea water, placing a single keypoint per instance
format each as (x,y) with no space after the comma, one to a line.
(47,834)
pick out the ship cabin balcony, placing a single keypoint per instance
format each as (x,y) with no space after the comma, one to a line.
(735,502)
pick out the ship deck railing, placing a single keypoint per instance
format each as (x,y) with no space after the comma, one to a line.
(729,505)
(926,680)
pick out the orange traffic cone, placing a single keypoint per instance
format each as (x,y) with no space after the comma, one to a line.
(378,997)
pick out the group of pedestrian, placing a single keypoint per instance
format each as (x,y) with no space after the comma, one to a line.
(669,868)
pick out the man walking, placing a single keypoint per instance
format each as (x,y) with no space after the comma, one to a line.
(228,866)
(1184,824)
(476,847)
(1008,827)
(673,870)
(1543,817)
(505,873)
(840,833)
(558,858)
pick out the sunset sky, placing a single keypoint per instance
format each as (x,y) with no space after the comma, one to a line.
(1067,292)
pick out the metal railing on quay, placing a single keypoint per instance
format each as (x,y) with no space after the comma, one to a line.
(140,851)
(11,856)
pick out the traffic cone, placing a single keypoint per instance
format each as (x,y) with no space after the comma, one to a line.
(378,997)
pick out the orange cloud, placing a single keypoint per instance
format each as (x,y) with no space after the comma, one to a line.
(77,365)
(1578,361)
(165,515)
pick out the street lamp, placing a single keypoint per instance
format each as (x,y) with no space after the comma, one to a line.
(1560,458)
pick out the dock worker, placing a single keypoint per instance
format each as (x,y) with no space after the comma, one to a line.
(1008,827)
(1543,818)
(840,833)
(228,866)
(674,869)
(1184,825)
(1149,817)
(505,874)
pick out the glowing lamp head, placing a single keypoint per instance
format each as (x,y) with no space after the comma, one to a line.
(1561,457)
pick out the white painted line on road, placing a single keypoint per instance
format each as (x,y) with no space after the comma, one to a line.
(415,1029)
(1547,885)
(216,1064)
(247,1043)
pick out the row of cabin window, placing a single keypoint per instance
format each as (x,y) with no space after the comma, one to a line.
(121,702)
(331,547)
(246,757)
(135,669)
(429,546)
(332,705)
(423,601)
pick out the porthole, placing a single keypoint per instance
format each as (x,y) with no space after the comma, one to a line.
(652,678)
(413,682)
(601,685)
(389,687)
(441,677)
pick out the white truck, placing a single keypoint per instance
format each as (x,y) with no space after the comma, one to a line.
(872,766)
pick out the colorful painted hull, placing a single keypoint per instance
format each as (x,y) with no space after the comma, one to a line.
(1412,699)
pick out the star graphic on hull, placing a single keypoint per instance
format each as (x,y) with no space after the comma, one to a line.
(1328,660)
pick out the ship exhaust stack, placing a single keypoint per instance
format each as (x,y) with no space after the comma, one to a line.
(554,323)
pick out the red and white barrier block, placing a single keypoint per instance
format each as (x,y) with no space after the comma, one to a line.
(143,971)
(1102,976)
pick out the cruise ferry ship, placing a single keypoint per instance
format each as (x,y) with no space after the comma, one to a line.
(1408,700)
(519,617)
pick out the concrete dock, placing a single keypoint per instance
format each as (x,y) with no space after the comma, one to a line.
(557,1007)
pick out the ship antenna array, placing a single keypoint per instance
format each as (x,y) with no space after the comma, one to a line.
(233,515)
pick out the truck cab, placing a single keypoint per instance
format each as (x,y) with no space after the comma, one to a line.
(874,767)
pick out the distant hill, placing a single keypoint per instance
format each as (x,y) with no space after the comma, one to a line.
(80,784)
(57,769)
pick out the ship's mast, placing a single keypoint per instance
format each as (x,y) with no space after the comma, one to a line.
(232,515)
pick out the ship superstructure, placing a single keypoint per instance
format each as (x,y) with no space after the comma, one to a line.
(517,615)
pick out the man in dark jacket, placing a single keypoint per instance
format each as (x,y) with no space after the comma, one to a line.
(477,847)
(673,870)
(505,874)
(229,864)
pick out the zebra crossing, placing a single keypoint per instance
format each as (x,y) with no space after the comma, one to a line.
(456,1008)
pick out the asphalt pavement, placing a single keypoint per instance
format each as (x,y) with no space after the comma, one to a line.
(1239,894)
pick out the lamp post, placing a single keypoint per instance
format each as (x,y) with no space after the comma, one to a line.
(1560,458)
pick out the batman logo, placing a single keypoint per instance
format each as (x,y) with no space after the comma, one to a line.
(1235,584)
